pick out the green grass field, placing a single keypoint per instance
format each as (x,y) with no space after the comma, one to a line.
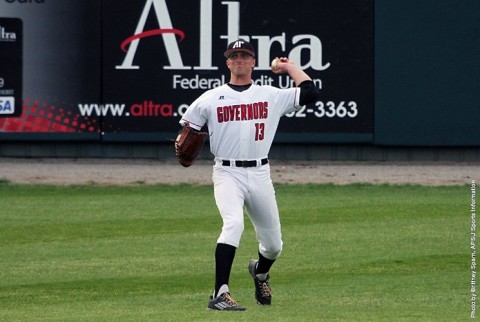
(145,253)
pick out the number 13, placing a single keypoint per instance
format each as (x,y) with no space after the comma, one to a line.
(259,131)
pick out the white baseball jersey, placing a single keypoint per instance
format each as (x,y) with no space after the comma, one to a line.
(241,125)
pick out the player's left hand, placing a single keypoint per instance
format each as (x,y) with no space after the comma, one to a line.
(188,145)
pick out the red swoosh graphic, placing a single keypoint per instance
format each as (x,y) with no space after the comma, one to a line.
(149,33)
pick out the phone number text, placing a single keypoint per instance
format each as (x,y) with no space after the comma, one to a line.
(328,109)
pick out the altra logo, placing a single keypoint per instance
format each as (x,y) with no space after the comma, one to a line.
(305,48)
(6,35)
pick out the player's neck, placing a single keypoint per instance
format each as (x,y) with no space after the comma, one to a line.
(240,80)
(239,88)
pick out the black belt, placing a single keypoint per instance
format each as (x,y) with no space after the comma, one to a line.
(244,164)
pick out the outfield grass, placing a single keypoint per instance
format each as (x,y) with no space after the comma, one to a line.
(145,253)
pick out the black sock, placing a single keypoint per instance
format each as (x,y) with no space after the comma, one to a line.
(264,264)
(224,255)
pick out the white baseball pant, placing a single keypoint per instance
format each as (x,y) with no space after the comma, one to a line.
(236,189)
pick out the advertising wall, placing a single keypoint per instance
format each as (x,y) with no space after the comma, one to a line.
(58,67)
(122,70)
(11,67)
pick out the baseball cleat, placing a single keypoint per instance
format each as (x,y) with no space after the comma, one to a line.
(224,302)
(263,292)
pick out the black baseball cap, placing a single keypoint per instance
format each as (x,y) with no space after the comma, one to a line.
(239,45)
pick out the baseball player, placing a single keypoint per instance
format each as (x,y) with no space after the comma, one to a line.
(242,119)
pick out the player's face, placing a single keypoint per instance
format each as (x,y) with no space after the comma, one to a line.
(240,63)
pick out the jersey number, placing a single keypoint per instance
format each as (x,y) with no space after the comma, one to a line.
(259,131)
